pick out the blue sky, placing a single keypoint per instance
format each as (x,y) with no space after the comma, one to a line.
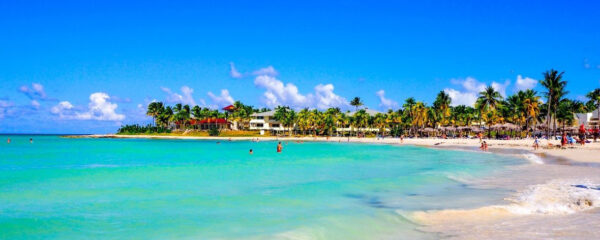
(87,67)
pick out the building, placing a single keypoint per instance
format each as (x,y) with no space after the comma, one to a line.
(589,120)
(265,122)
(205,124)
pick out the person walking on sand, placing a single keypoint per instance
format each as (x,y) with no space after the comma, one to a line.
(536,144)
(279,147)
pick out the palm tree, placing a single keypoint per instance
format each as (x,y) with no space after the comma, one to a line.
(531,103)
(420,115)
(360,119)
(488,100)
(442,106)
(303,120)
(408,105)
(380,121)
(286,116)
(356,102)
(155,109)
(554,92)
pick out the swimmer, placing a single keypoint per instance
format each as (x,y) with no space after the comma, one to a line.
(251,152)
(279,147)
(31,140)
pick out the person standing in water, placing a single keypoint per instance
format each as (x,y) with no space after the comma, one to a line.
(251,152)
(279,147)
(8,141)
(31,140)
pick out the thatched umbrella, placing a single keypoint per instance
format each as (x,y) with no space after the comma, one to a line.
(476,129)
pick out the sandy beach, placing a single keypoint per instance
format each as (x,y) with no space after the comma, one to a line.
(554,196)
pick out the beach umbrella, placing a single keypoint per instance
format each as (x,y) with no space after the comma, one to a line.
(509,126)
(476,129)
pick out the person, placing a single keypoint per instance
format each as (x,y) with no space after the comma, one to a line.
(251,151)
(31,140)
(279,147)
(536,143)
(485,146)
(563,140)
(218,142)
(596,132)
(402,138)
(8,141)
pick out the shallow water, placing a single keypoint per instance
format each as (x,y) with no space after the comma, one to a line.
(61,188)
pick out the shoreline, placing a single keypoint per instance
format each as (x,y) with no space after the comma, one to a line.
(580,154)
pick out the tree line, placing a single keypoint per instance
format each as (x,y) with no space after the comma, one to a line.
(523,109)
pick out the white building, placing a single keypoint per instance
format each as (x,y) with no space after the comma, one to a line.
(588,119)
(265,121)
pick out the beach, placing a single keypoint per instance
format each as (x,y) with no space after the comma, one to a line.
(551,197)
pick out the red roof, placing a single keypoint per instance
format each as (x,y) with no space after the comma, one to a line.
(206,121)
(229,108)
(212,120)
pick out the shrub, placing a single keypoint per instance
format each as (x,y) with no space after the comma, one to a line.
(213,131)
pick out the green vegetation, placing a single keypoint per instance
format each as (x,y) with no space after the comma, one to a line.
(138,129)
(523,112)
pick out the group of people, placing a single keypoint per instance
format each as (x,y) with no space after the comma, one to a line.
(279,149)
(8,140)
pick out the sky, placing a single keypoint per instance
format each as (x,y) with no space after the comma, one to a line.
(91,66)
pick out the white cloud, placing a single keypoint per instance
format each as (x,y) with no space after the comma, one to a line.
(524,83)
(36,91)
(325,98)
(184,98)
(269,71)
(277,93)
(5,106)
(222,100)
(471,88)
(501,87)
(99,109)
(461,98)
(62,109)
(385,103)
(35,104)
(233,72)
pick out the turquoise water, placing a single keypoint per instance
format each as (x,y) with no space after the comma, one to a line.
(60,188)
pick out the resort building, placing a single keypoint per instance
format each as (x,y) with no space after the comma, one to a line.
(265,122)
(589,120)
(205,124)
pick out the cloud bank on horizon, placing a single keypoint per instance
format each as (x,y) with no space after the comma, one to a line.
(276,92)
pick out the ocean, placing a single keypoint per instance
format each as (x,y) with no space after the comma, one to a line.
(83,188)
